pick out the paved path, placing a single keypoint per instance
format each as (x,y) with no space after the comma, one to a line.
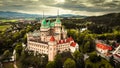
(15,66)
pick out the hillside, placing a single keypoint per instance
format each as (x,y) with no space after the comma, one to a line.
(9,14)
(111,19)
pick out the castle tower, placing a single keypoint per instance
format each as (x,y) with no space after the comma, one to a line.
(58,26)
(44,30)
(52,50)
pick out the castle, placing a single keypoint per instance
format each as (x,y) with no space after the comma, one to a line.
(50,39)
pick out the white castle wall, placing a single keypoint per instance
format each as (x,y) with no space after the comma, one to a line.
(38,47)
(63,47)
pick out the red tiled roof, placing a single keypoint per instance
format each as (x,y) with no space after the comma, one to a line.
(52,38)
(61,41)
(71,39)
(103,46)
(67,40)
(73,44)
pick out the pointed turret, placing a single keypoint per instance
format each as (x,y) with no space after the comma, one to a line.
(57,19)
(43,23)
(52,39)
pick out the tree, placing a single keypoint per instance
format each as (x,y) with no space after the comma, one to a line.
(24,39)
(79,59)
(50,64)
(87,47)
(117,65)
(112,62)
(95,61)
(69,63)
(58,62)
(94,58)
(6,55)
(18,49)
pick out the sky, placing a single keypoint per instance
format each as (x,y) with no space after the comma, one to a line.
(50,7)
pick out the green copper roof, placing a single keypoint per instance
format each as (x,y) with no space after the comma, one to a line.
(43,22)
(58,20)
(48,23)
(52,24)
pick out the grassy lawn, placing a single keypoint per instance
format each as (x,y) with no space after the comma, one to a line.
(8,65)
(3,27)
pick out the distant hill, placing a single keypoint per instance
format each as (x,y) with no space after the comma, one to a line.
(111,19)
(8,14)
(68,16)
(110,15)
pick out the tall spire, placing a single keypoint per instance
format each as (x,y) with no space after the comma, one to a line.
(43,15)
(58,13)
(57,19)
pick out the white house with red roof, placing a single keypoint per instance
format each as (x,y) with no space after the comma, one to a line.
(102,48)
(50,39)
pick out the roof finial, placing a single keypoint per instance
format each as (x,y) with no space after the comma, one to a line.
(58,13)
(43,15)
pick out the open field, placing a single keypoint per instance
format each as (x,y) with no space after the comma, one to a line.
(8,20)
(3,27)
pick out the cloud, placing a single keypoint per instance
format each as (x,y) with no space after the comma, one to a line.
(90,5)
(83,7)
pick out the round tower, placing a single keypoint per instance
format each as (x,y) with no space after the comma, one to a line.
(52,50)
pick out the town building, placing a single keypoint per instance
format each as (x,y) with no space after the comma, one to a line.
(50,39)
(107,51)
(102,47)
(116,53)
